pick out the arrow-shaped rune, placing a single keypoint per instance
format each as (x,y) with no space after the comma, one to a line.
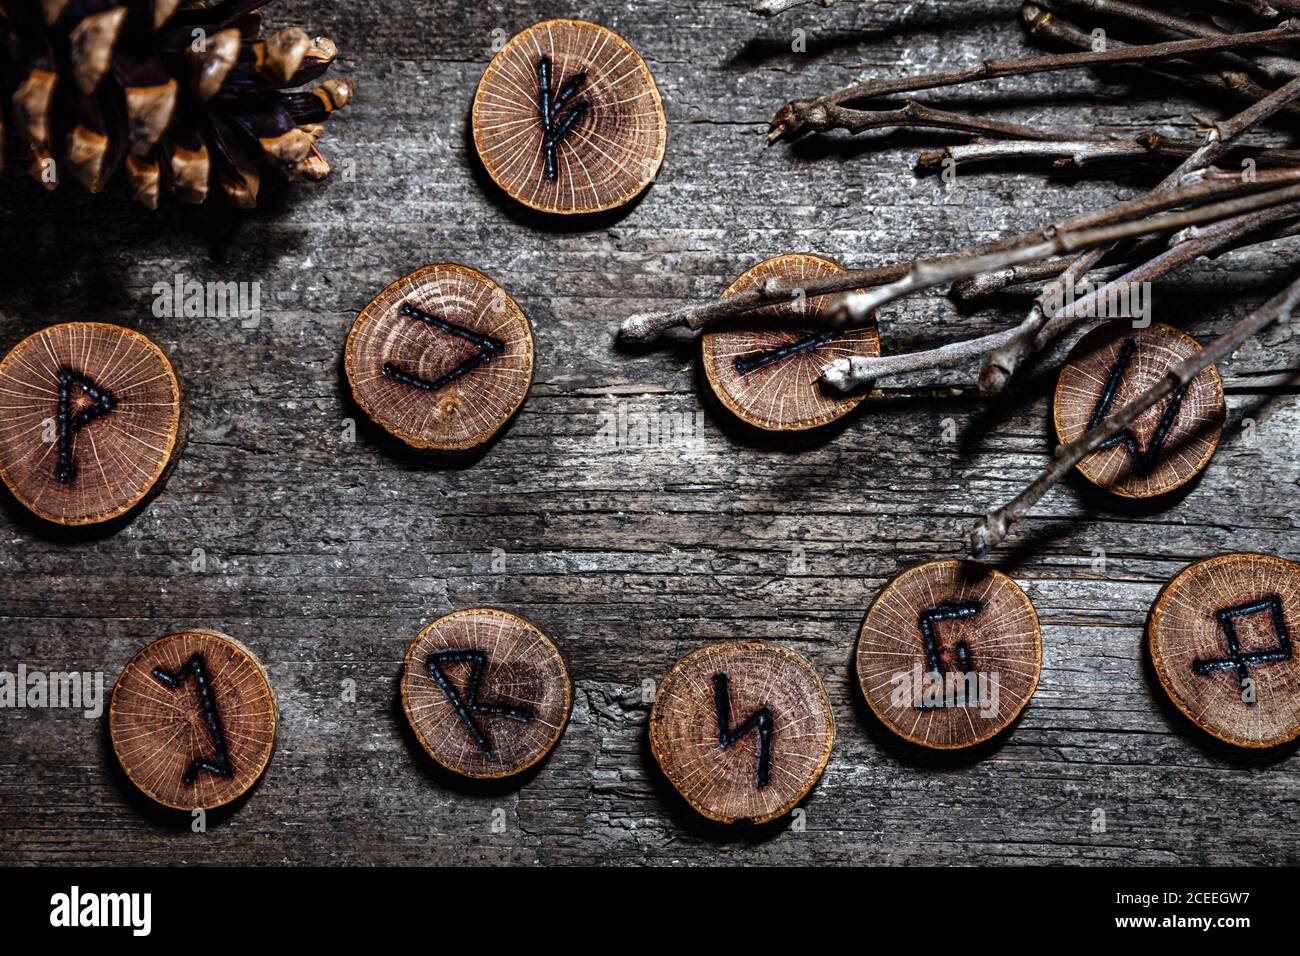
(488,348)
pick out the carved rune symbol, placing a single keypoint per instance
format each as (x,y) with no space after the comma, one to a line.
(488,348)
(927,619)
(760,720)
(468,704)
(554,126)
(1143,461)
(102,402)
(753,362)
(219,765)
(1241,663)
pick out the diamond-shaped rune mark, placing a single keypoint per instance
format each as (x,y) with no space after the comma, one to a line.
(488,348)
(467,704)
(69,422)
(1143,460)
(1237,661)
(556,127)
(196,669)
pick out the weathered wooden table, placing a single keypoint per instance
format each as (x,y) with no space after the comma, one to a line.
(327,555)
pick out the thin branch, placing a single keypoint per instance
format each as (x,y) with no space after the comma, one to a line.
(1086,152)
(810,114)
(1003,362)
(647,326)
(851,373)
(993,528)
(772,8)
(1277,67)
(914,115)
(854,307)
(1042,22)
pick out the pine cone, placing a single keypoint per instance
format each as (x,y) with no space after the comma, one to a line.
(183,93)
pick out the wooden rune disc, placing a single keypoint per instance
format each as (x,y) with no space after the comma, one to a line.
(1222,638)
(193,720)
(595,95)
(765,369)
(742,730)
(949,654)
(90,418)
(441,358)
(1168,444)
(486,692)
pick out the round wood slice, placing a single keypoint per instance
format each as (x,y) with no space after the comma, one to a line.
(949,654)
(441,358)
(742,730)
(1222,637)
(486,692)
(607,121)
(91,420)
(193,720)
(765,369)
(1168,444)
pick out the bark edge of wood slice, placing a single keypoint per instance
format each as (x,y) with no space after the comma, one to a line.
(1256,591)
(1119,361)
(742,364)
(940,609)
(690,732)
(108,400)
(230,681)
(415,374)
(459,718)
(634,135)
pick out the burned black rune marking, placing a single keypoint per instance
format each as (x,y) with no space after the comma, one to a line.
(1143,461)
(468,704)
(219,765)
(554,126)
(488,349)
(69,424)
(760,720)
(756,360)
(927,619)
(1236,661)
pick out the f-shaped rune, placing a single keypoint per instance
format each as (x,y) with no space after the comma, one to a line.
(1236,661)
(196,668)
(554,126)
(760,720)
(488,349)
(102,402)
(468,704)
(1143,461)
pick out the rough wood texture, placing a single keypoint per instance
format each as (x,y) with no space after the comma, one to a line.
(441,358)
(742,730)
(91,420)
(486,692)
(963,624)
(567,119)
(1222,643)
(1169,444)
(781,353)
(334,553)
(192,720)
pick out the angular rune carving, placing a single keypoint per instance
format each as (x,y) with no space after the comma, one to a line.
(1143,461)
(468,704)
(1236,661)
(196,668)
(760,720)
(102,402)
(554,126)
(753,362)
(488,349)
